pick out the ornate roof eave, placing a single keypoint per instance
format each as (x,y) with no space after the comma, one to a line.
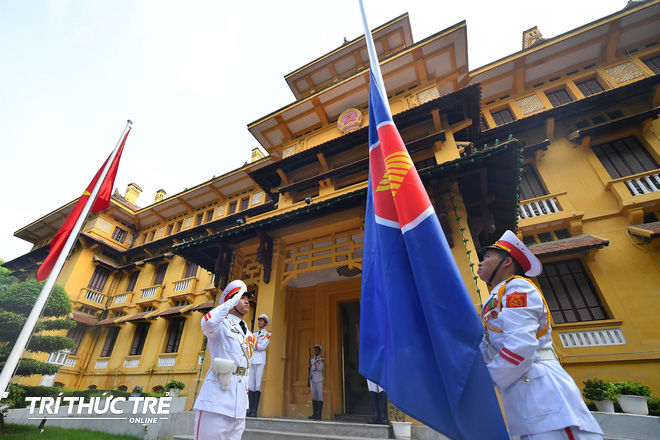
(572,109)
(204,251)
(470,95)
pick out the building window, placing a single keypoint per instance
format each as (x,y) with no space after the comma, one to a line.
(198,219)
(502,117)
(191,270)
(77,333)
(139,339)
(653,64)
(110,342)
(170,228)
(179,225)
(176,330)
(209,215)
(624,157)
(151,235)
(99,277)
(245,203)
(160,274)
(482,124)
(590,87)
(530,184)
(232,207)
(119,234)
(132,281)
(558,98)
(569,293)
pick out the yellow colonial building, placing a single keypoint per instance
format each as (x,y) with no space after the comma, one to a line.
(559,142)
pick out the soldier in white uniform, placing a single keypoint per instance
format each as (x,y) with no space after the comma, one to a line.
(316,382)
(262,339)
(540,399)
(222,401)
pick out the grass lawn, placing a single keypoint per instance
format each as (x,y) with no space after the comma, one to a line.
(25,432)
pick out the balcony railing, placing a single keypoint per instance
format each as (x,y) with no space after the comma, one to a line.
(101,364)
(592,338)
(166,361)
(131,362)
(119,299)
(70,362)
(539,206)
(183,287)
(150,294)
(644,184)
(94,297)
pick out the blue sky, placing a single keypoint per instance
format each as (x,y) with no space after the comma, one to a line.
(191,75)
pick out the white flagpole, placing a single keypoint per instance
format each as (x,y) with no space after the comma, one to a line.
(24,337)
(373,56)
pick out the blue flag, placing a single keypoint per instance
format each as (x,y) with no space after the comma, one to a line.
(419,330)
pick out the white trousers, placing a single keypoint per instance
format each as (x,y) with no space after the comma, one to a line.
(255,377)
(570,433)
(214,426)
(317,390)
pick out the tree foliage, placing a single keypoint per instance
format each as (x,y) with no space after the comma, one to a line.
(16,303)
(20,298)
(5,278)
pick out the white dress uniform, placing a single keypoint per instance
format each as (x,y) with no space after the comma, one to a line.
(538,395)
(316,377)
(262,339)
(221,413)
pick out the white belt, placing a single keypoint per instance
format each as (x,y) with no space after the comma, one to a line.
(548,354)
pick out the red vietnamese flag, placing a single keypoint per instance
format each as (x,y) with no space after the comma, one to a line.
(101,203)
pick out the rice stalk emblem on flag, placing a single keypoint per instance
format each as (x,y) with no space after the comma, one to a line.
(397,166)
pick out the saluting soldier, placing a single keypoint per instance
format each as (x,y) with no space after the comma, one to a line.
(222,401)
(262,339)
(316,382)
(541,401)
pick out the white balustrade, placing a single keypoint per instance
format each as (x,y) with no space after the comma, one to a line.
(182,285)
(538,208)
(593,338)
(95,297)
(70,363)
(166,361)
(121,298)
(644,184)
(101,365)
(149,292)
(131,363)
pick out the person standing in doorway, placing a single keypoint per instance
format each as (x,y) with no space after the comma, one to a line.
(316,382)
(262,339)
(222,401)
(378,398)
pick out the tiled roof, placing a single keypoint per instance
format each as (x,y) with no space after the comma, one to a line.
(138,316)
(648,230)
(110,320)
(84,318)
(173,311)
(573,244)
(208,305)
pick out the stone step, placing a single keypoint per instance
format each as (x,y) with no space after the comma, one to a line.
(320,427)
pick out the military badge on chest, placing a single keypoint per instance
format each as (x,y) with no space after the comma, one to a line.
(490,309)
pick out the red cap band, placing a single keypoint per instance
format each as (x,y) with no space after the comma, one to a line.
(516,253)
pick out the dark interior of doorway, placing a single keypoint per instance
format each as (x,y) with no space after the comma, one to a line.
(355,393)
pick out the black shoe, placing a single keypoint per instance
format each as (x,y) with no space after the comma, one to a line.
(255,404)
(382,396)
(375,408)
(315,406)
(320,413)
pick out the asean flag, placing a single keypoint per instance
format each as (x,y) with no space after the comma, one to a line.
(102,202)
(419,330)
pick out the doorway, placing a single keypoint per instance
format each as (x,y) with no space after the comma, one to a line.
(354,387)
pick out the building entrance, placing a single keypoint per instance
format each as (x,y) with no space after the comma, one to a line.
(354,387)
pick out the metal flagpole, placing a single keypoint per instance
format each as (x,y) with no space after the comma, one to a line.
(24,337)
(373,56)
